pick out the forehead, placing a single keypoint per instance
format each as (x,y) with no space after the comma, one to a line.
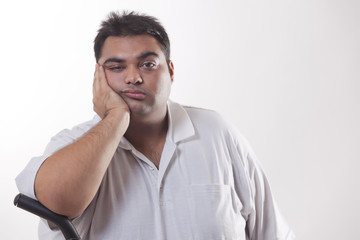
(129,46)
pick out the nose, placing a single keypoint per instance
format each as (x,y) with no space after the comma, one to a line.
(133,75)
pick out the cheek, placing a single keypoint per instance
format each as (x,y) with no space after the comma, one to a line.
(164,86)
(113,80)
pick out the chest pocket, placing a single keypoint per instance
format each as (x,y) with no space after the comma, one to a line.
(215,212)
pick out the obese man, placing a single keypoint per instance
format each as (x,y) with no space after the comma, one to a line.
(146,167)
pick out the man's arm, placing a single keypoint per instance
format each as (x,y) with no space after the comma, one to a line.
(68,180)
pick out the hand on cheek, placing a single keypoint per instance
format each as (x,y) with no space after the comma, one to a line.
(105,99)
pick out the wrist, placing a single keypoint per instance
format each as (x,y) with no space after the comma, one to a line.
(118,116)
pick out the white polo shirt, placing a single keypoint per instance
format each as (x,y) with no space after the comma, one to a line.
(209,186)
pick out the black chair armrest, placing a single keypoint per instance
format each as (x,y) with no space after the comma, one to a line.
(35,207)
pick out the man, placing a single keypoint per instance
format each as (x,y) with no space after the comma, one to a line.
(146,167)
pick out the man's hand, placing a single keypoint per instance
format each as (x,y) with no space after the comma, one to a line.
(68,180)
(105,99)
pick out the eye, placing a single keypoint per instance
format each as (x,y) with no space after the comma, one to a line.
(148,65)
(115,68)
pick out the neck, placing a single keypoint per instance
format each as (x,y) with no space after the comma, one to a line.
(149,137)
(142,130)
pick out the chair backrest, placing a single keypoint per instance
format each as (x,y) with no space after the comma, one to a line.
(65,225)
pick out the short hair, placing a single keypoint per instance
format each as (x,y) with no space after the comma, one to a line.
(131,24)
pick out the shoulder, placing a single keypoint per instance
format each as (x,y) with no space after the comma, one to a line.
(205,117)
(212,122)
(80,129)
(67,136)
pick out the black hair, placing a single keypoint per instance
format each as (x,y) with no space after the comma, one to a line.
(131,24)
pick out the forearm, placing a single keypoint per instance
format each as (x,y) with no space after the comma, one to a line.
(68,180)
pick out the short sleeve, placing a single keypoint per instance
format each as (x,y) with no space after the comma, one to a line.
(263,218)
(26,179)
(265,221)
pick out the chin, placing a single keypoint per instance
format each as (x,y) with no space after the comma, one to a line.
(139,109)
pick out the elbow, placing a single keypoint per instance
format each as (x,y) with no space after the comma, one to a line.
(57,198)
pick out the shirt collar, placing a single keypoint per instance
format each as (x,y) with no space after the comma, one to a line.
(180,125)
(125,144)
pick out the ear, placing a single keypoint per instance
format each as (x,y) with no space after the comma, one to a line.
(171,70)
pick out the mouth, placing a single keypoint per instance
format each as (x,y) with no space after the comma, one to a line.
(134,94)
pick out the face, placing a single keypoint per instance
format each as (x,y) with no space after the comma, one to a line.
(136,69)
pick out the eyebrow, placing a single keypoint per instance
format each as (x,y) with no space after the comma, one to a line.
(147,54)
(141,56)
(116,60)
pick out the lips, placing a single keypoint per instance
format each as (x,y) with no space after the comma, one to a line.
(134,94)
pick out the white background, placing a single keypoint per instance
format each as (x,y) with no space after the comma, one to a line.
(287,73)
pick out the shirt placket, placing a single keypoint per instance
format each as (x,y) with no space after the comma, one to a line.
(163,203)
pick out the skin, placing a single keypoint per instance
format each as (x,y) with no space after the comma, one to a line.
(132,83)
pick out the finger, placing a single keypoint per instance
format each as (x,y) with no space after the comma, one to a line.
(96,78)
(102,76)
(95,68)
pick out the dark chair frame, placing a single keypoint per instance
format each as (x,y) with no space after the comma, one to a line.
(63,223)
